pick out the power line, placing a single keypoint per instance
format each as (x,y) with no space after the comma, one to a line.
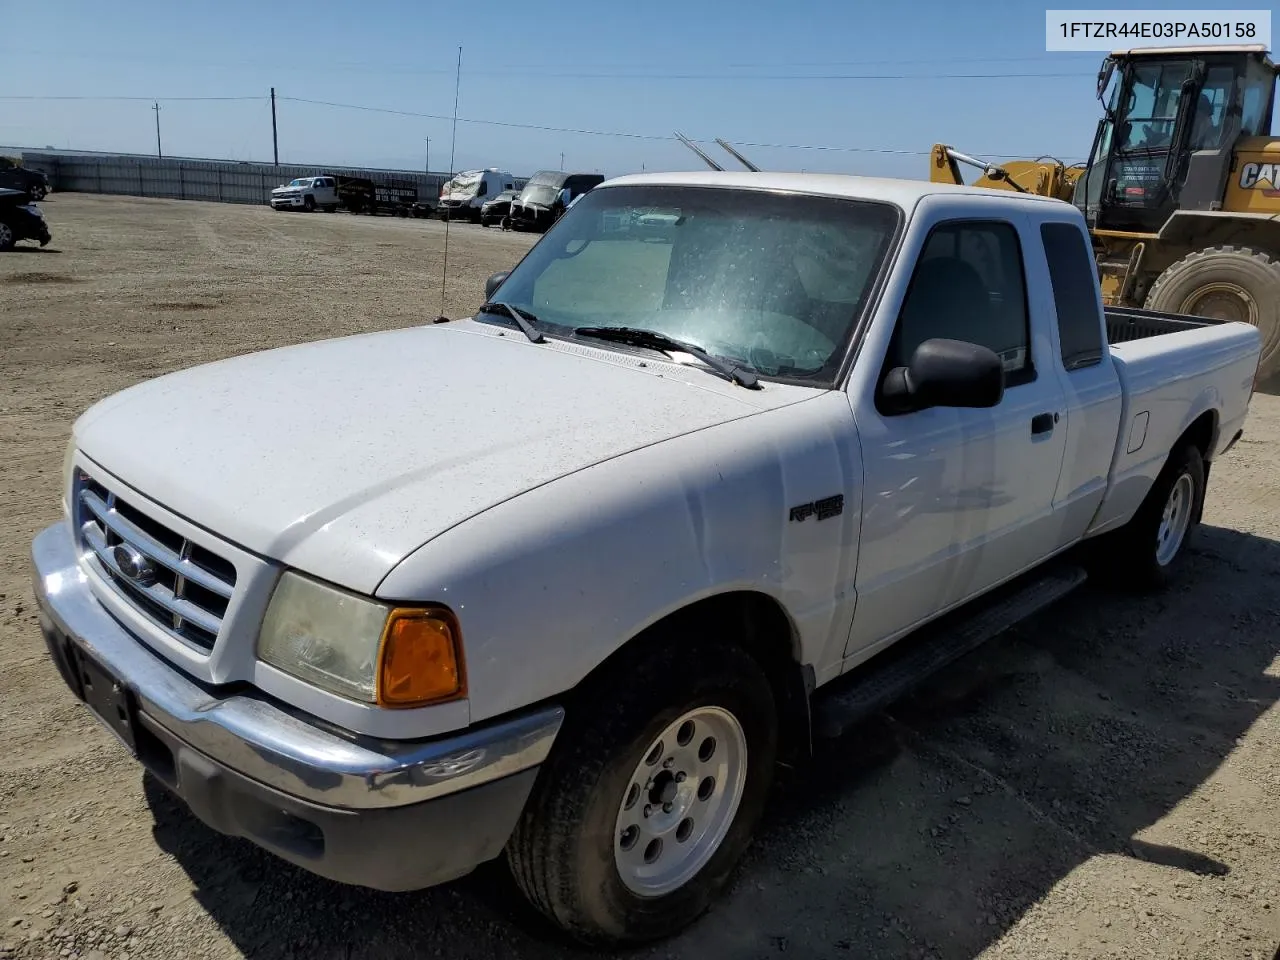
(536,69)
(616,133)
(141,99)
(544,128)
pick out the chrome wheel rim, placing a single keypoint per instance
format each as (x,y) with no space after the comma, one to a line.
(680,801)
(1175,520)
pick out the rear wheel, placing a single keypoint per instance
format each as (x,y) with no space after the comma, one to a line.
(7,237)
(1148,553)
(1226,283)
(38,192)
(651,795)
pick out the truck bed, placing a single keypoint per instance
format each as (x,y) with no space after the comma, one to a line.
(1125,324)
(1172,368)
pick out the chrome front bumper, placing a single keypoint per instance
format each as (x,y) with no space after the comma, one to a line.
(235,756)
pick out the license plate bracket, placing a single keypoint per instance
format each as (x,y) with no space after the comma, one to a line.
(108,698)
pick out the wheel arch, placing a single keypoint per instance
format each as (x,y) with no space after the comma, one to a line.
(1201,433)
(760,625)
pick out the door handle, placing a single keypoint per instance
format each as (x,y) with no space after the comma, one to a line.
(1043,422)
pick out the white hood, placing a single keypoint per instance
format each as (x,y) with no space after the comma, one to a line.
(341,457)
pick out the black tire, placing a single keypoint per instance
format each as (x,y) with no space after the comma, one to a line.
(309,204)
(485,221)
(38,192)
(1226,283)
(1130,558)
(562,851)
(7,237)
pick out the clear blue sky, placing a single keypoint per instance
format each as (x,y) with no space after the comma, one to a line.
(639,68)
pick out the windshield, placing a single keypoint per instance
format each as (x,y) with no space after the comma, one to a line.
(543,193)
(1150,110)
(773,281)
(303,182)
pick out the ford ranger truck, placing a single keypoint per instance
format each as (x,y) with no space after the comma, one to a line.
(725,463)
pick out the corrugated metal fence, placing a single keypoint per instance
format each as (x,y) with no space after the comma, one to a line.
(175,178)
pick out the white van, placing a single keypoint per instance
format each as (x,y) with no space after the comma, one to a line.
(465,194)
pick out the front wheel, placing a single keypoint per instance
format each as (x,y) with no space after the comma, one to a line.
(7,237)
(309,204)
(651,796)
(38,192)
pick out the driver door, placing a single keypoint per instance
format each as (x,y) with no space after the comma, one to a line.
(958,500)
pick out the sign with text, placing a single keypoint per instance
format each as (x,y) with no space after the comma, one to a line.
(1107,30)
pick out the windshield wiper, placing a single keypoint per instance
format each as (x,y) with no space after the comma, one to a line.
(638,337)
(525,321)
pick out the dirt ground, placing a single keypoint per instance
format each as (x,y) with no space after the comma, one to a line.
(1101,782)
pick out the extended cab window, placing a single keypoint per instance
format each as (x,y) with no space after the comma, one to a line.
(968,285)
(1074,282)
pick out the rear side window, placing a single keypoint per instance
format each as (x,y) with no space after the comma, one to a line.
(969,285)
(1074,281)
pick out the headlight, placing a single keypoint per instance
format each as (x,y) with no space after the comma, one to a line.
(359,648)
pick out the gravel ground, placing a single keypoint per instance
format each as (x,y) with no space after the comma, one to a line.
(1101,782)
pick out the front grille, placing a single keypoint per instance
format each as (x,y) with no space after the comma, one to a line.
(182,587)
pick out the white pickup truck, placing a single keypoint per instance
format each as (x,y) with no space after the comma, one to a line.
(307,193)
(725,463)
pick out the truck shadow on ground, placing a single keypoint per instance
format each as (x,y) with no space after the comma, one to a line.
(925,833)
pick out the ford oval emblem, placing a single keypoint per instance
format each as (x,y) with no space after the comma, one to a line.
(134,565)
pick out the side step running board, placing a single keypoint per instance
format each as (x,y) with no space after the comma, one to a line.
(890,675)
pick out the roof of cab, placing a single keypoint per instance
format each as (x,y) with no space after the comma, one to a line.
(904,193)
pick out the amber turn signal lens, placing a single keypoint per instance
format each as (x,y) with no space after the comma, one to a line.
(419,662)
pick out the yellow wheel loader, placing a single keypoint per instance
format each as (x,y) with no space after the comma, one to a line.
(1182,187)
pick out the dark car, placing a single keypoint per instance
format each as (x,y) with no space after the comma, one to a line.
(547,195)
(20,219)
(497,209)
(14,176)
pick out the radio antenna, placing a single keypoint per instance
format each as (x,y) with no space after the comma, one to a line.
(698,150)
(453,143)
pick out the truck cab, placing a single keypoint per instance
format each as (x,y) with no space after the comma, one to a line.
(1178,123)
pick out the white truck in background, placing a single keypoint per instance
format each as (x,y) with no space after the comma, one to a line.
(725,463)
(307,193)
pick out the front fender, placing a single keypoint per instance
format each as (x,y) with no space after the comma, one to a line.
(549,584)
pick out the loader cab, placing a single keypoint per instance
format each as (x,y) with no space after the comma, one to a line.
(1172,120)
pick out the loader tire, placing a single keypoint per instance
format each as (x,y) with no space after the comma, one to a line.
(1226,283)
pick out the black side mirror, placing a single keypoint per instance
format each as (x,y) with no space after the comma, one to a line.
(1104,75)
(946,373)
(494,282)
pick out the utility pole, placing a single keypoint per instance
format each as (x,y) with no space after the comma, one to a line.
(561,159)
(426,154)
(156,108)
(275,140)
